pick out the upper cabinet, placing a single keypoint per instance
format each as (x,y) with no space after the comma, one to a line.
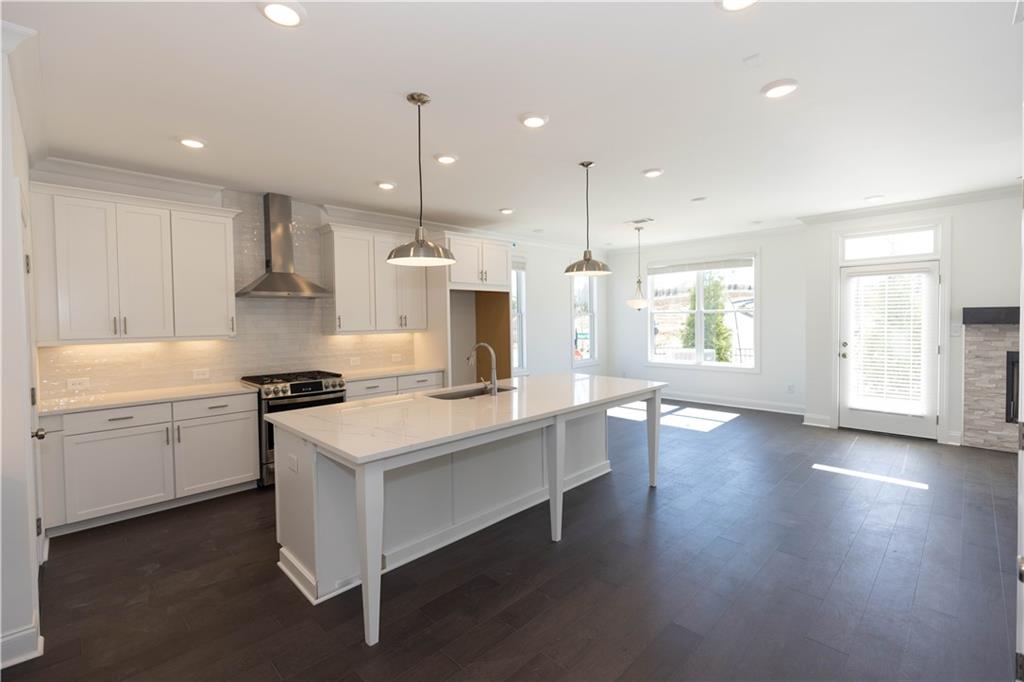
(369,293)
(204,275)
(479,263)
(108,267)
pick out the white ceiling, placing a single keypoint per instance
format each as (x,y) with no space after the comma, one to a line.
(909,100)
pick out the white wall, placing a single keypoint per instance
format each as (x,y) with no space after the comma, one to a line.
(778,383)
(19,594)
(984,271)
(549,310)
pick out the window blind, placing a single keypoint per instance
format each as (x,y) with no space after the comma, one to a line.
(725,264)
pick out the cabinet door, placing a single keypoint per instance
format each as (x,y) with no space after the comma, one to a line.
(115,470)
(386,284)
(145,284)
(204,275)
(466,269)
(495,262)
(349,265)
(85,234)
(412,297)
(214,452)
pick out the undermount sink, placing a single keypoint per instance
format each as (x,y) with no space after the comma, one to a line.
(474,392)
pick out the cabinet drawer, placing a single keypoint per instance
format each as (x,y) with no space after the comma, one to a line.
(118,418)
(415,382)
(211,407)
(363,389)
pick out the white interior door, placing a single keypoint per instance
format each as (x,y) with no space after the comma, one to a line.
(1020,505)
(888,354)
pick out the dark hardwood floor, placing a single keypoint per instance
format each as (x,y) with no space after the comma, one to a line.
(744,564)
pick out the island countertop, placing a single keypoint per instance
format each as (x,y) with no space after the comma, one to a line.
(365,431)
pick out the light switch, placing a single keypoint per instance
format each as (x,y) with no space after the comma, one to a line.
(293,463)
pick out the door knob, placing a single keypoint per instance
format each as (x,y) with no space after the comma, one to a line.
(39,433)
(842,355)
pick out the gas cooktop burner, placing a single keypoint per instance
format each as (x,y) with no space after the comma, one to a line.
(295,383)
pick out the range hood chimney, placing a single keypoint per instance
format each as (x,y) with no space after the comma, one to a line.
(280,280)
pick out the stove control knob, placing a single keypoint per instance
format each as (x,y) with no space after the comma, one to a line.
(277,390)
(284,390)
(266,390)
(332,384)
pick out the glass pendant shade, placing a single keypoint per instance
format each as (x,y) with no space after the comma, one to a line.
(588,266)
(420,251)
(639,301)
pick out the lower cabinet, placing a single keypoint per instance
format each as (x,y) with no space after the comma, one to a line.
(214,452)
(116,470)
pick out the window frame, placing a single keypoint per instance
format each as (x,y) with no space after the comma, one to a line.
(698,364)
(517,267)
(918,226)
(594,358)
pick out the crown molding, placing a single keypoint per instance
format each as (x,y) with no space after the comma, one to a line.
(70,173)
(136,199)
(12,35)
(918,205)
(744,234)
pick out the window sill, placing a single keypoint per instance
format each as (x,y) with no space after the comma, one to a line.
(705,368)
(586,363)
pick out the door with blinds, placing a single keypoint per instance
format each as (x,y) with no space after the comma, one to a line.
(889,349)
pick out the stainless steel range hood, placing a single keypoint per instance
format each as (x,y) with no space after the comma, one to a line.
(280,279)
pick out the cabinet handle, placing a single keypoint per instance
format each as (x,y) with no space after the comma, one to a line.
(480,275)
(115,325)
(121,419)
(217,407)
(422,381)
(370,388)
(179,433)
(339,321)
(485,275)
(232,324)
(124,325)
(167,434)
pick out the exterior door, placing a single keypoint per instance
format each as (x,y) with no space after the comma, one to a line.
(888,367)
(204,275)
(145,286)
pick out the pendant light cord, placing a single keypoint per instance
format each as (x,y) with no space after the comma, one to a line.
(419,153)
(587,169)
(638,256)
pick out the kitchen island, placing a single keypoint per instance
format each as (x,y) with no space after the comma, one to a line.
(365,487)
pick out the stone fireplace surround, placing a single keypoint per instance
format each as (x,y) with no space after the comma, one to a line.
(989,333)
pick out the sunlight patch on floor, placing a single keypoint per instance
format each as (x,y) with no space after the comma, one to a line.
(689,418)
(870,476)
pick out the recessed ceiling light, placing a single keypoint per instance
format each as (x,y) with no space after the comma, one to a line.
(756,222)
(386,186)
(736,5)
(506,211)
(192,143)
(446,159)
(874,198)
(533,120)
(779,88)
(699,199)
(287,14)
(653,173)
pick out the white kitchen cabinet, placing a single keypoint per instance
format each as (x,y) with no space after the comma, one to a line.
(400,290)
(480,264)
(347,260)
(215,452)
(145,282)
(204,275)
(51,467)
(411,285)
(118,469)
(85,239)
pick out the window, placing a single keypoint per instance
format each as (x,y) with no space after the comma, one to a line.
(584,298)
(517,304)
(703,313)
(919,242)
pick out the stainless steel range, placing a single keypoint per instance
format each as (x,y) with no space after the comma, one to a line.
(290,391)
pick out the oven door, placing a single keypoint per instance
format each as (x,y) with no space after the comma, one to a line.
(272,405)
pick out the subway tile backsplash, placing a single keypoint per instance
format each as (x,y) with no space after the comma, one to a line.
(273,335)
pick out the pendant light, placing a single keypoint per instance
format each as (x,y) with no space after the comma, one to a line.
(639,301)
(420,251)
(587,267)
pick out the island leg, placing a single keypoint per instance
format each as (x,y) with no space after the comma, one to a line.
(653,425)
(556,474)
(370,521)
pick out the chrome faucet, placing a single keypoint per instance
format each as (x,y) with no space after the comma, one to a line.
(471,358)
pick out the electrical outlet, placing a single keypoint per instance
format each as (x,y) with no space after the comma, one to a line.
(790,388)
(354,362)
(395,357)
(198,374)
(78,384)
(293,463)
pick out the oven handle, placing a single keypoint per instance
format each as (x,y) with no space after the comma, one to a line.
(306,398)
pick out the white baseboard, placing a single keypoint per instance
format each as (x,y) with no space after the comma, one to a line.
(742,403)
(823,421)
(951,437)
(22,644)
(54,531)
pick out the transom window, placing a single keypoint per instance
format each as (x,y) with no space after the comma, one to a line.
(900,244)
(703,313)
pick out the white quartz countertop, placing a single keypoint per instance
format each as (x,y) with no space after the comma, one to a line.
(96,401)
(368,430)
